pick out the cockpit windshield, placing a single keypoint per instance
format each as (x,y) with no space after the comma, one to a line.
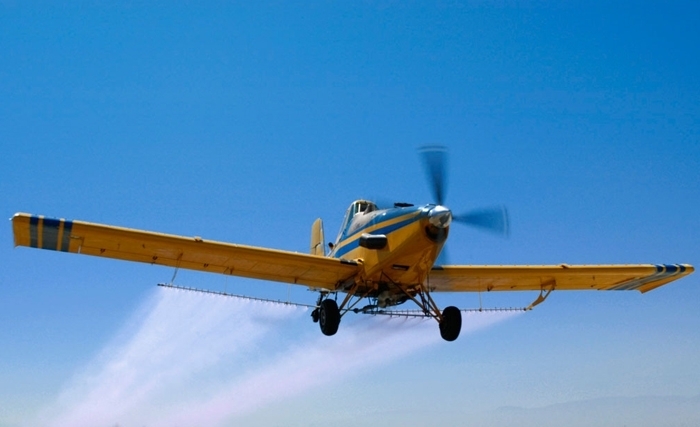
(363,206)
(357,208)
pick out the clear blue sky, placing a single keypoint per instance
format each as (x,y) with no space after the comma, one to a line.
(244,123)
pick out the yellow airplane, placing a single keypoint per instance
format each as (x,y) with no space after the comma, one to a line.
(384,256)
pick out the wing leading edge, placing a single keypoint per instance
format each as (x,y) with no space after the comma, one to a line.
(485,278)
(195,253)
(191,253)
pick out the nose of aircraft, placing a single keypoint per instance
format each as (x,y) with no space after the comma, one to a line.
(440,217)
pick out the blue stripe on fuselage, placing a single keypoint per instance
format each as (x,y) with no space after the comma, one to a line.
(388,215)
(354,240)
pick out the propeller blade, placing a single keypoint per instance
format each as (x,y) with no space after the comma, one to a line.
(494,220)
(435,161)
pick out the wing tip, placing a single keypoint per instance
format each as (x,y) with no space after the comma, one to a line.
(666,273)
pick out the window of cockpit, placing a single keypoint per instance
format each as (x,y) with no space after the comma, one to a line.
(360,207)
(354,209)
(346,221)
(363,207)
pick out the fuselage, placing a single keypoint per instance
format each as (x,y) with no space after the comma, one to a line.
(414,238)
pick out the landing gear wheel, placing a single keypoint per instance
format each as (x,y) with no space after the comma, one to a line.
(329,317)
(451,323)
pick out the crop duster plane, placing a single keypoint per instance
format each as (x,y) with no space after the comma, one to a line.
(382,256)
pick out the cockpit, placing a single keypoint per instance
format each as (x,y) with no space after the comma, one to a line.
(358,207)
(363,206)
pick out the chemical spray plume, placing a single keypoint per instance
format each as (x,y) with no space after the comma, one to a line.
(197,359)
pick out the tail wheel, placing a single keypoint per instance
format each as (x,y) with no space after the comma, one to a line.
(451,323)
(329,317)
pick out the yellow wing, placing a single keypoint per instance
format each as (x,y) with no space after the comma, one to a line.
(477,278)
(192,253)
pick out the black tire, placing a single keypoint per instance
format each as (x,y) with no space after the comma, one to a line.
(451,323)
(328,317)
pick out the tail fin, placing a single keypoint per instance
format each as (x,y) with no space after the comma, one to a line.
(317,239)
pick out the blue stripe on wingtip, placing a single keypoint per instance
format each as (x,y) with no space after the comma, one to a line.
(50,234)
(33,232)
(65,240)
(663,271)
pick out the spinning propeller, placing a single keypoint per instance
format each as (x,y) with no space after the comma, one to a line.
(493,220)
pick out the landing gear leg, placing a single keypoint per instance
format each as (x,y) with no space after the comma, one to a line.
(328,314)
(450,320)
(315,313)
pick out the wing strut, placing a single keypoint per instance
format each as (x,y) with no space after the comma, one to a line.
(426,302)
(346,305)
(543,295)
(177,268)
